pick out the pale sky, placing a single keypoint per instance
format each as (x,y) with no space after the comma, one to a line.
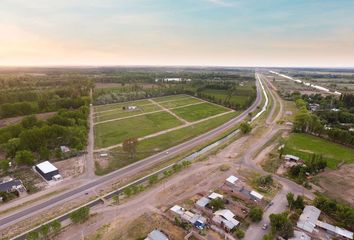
(177,32)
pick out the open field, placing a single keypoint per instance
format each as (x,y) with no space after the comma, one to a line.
(180,102)
(304,146)
(107,134)
(115,106)
(199,111)
(118,158)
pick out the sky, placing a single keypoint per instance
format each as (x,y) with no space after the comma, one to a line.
(307,33)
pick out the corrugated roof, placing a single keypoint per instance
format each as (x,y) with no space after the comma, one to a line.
(256,195)
(308,218)
(156,235)
(340,231)
(215,195)
(203,202)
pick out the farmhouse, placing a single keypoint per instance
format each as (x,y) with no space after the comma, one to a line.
(196,220)
(47,170)
(156,235)
(11,185)
(225,218)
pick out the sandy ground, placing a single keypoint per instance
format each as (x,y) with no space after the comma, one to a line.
(339,183)
(72,167)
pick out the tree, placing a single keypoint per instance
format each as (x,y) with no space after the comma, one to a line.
(24,157)
(153,179)
(115,199)
(290,198)
(282,225)
(256,214)
(80,215)
(216,204)
(32,235)
(129,146)
(299,203)
(245,127)
(239,233)
(55,227)
(44,231)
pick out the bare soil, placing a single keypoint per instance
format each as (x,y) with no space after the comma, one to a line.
(71,167)
(15,120)
(339,183)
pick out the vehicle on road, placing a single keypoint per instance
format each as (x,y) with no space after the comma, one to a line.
(265,226)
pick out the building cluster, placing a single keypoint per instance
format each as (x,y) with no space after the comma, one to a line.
(310,223)
(172,80)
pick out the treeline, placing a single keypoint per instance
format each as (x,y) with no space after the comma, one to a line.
(33,140)
(342,213)
(308,122)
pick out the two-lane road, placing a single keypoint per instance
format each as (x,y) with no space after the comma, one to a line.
(129,170)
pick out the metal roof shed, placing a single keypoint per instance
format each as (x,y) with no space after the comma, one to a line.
(46,170)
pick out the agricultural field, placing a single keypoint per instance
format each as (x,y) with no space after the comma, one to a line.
(304,146)
(157,123)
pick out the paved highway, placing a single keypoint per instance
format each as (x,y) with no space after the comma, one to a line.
(129,170)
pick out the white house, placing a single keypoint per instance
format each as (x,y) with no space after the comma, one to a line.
(225,218)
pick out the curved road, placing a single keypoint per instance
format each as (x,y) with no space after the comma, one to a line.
(131,169)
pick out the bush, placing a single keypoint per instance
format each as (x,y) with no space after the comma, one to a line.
(256,214)
(80,215)
(240,234)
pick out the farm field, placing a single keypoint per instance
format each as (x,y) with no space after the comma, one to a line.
(304,146)
(115,106)
(148,147)
(199,111)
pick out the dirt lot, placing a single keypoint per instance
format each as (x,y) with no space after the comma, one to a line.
(14,120)
(339,183)
(71,167)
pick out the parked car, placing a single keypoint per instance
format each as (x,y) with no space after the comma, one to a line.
(265,226)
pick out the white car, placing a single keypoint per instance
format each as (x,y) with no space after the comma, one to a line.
(265,226)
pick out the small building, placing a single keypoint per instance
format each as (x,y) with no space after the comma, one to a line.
(103,154)
(203,202)
(11,185)
(289,157)
(156,235)
(308,219)
(334,230)
(225,218)
(215,195)
(178,210)
(231,180)
(47,170)
(256,196)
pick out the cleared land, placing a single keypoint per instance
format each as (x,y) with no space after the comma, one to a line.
(107,134)
(304,146)
(196,112)
(115,106)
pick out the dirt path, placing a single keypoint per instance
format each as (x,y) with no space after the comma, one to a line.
(169,111)
(90,161)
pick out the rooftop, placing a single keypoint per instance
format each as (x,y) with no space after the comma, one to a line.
(337,230)
(156,235)
(232,179)
(215,195)
(46,167)
(256,195)
(203,202)
(308,218)
(9,185)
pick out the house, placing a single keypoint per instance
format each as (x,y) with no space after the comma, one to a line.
(231,180)
(298,235)
(177,210)
(334,230)
(11,185)
(47,170)
(289,157)
(226,219)
(215,195)
(203,202)
(156,235)
(256,196)
(308,219)
(196,220)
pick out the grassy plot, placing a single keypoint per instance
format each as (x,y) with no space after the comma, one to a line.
(120,113)
(110,133)
(199,111)
(222,95)
(120,105)
(304,146)
(180,102)
(160,143)
(170,98)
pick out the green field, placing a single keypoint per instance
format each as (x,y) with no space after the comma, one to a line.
(170,98)
(160,143)
(120,113)
(180,102)
(120,105)
(304,146)
(199,111)
(111,133)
